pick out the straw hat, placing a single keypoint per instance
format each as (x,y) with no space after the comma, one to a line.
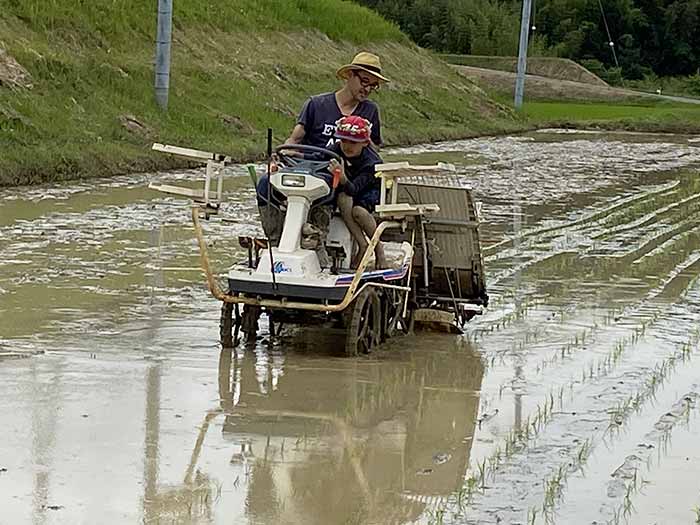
(366,62)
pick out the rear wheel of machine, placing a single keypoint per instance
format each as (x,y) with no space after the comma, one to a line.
(365,326)
(249,321)
(229,323)
(393,320)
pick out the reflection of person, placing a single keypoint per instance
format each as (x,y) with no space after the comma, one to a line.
(318,117)
(360,190)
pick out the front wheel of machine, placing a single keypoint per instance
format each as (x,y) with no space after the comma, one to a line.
(365,326)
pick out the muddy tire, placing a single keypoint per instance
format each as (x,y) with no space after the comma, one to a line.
(365,326)
(249,321)
(393,322)
(226,325)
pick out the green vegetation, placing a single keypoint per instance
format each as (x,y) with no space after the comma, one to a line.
(677,86)
(237,68)
(661,117)
(124,23)
(656,36)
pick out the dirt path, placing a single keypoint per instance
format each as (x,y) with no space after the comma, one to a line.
(538,87)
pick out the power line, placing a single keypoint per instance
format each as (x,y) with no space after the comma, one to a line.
(607,30)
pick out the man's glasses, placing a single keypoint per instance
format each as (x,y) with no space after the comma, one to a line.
(367,82)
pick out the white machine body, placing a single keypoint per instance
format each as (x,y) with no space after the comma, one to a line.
(293,264)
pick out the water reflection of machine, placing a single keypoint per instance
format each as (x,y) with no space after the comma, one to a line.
(320,441)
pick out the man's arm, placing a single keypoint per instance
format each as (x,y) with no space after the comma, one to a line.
(298,134)
(306,118)
(376,135)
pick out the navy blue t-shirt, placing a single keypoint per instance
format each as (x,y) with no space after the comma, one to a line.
(320,113)
(360,171)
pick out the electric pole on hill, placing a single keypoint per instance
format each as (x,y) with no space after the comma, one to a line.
(522,54)
(163,38)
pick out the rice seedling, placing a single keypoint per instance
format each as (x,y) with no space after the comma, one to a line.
(583,452)
(627,507)
(532,516)
(437,517)
(463,498)
(517,439)
(471,485)
(553,489)
(482,474)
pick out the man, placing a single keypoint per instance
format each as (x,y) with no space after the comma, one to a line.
(360,188)
(316,127)
(316,123)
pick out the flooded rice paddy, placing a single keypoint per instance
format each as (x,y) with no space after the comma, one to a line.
(574,399)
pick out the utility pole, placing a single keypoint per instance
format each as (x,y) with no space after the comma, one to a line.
(163,39)
(522,54)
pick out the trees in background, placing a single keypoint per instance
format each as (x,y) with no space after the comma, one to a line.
(651,37)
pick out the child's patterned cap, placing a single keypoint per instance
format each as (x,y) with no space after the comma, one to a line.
(353,128)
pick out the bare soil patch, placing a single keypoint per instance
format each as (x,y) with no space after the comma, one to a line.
(550,67)
(539,87)
(12,74)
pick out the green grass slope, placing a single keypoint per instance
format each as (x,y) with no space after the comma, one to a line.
(237,68)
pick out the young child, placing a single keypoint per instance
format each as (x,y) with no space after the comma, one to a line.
(360,189)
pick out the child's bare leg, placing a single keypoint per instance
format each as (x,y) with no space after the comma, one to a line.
(345,205)
(369,226)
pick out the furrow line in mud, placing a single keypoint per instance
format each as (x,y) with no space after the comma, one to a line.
(670,233)
(527,457)
(495,320)
(648,218)
(593,374)
(682,278)
(587,242)
(628,478)
(535,260)
(642,317)
(665,246)
(633,439)
(499,318)
(653,240)
(684,273)
(625,258)
(620,413)
(594,216)
(585,245)
(626,438)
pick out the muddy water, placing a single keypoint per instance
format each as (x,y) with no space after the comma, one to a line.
(574,399)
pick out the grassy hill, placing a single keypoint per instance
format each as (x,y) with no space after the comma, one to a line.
(87,106)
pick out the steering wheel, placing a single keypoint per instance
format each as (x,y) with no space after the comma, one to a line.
(326,155)
(314,166)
